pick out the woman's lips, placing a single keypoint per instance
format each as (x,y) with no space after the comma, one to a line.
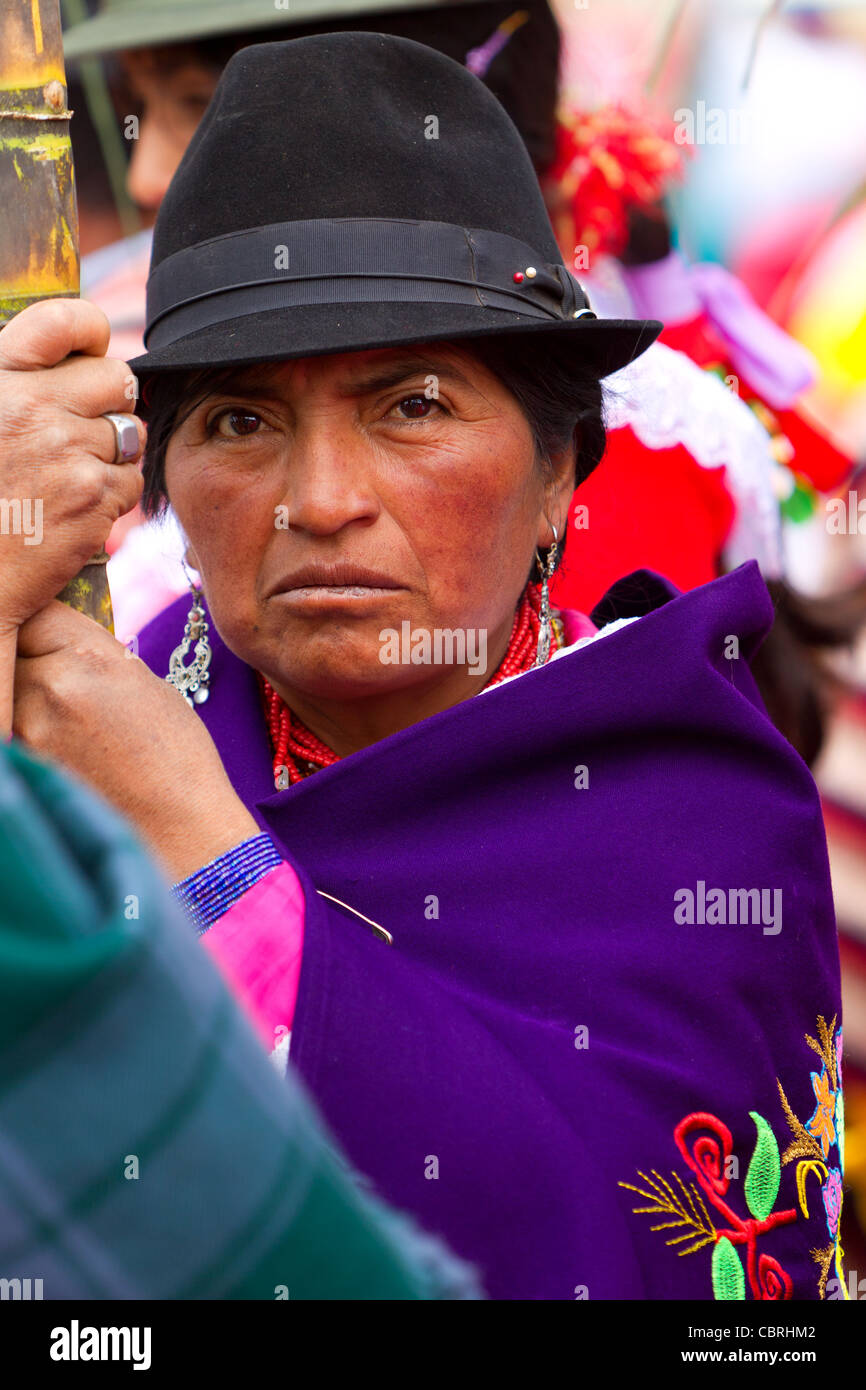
(336,595)
(336,590)
(340,579)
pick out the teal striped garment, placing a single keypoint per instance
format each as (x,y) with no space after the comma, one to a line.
(147,1148)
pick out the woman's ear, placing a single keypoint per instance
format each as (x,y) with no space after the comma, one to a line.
(558,494)
(189,557)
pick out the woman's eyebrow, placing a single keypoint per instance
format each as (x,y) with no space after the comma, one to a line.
(393,373)
(238,387)
(376,379)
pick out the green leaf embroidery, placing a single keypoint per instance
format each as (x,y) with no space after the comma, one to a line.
(729,1281)
(765,1171)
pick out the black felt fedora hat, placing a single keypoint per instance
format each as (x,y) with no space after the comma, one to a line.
(350,191)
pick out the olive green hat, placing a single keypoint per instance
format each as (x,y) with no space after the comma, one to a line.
(124,24)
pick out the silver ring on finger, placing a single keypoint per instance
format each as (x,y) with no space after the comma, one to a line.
(126,442)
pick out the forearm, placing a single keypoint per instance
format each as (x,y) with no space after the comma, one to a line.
(186,836)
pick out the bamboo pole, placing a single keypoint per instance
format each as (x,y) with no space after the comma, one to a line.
(38,213)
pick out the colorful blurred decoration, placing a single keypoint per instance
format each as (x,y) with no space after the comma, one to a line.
(607,161)
(807,462)
(478,60)
(828,313)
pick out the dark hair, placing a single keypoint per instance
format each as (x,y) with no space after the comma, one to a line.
(795,670)
(562,402)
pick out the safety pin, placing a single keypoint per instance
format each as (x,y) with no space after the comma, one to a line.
(380,931)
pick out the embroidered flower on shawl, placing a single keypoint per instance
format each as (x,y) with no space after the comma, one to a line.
(840,1102)
(691,1211)
(822,1122)
(811,1144)
(832,1195)
(706,1213)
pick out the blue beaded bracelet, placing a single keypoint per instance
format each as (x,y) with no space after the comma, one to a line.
(209,893)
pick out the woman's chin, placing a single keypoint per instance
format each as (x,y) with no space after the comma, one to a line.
(347,680)
(367,656)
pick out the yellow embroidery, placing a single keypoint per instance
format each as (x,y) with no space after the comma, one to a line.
(666,1202)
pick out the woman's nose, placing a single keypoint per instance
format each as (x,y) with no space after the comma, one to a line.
(331,483)
(155,157)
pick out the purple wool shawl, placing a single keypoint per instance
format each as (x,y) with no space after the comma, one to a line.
(542,1026)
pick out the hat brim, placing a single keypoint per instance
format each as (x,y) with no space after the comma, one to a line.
(315,330)
(173,22)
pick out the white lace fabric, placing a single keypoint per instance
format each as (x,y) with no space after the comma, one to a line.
(667,400)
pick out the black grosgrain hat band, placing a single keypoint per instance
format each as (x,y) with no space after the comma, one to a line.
(353,260)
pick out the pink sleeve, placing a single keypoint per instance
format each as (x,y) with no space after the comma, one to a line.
(576,625)
(258,946)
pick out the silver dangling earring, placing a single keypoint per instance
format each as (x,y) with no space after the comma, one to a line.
(545,630)
(193,679)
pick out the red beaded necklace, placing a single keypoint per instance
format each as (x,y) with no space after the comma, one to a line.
(298,752)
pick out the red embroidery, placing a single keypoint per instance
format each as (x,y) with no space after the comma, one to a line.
(708,1161)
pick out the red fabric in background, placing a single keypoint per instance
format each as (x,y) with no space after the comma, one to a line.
(646,509)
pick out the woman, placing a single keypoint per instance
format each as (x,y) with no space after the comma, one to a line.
(523,940)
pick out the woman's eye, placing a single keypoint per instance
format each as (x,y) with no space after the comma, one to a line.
(415,407)
(233,424)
